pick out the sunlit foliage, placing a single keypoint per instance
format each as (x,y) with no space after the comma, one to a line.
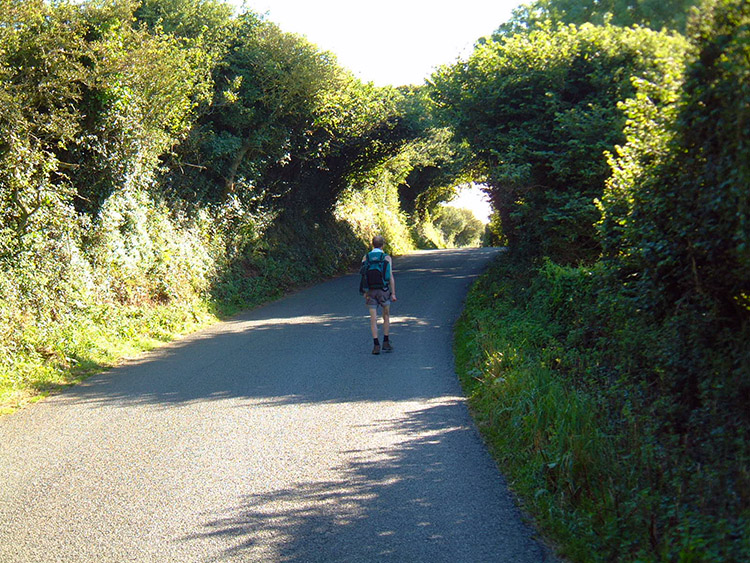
(165,154)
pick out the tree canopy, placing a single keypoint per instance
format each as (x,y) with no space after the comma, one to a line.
(538,111)
(654,14)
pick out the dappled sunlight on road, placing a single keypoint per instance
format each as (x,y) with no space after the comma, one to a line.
(318,320)
(274,436)
(391,496)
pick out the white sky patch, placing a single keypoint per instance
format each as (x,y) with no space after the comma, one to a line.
(392,42)
(472,197)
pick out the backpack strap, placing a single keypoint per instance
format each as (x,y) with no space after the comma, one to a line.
(386,270)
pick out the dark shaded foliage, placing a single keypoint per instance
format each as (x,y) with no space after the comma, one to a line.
(538,112)
(654,14)
(651,338)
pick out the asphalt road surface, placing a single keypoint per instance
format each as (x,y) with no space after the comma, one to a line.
(275,436)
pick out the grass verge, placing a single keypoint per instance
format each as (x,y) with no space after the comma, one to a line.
(589,453)
(541,432)
(62,354)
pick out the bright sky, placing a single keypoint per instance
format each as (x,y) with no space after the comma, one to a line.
(472,197)
(393,42)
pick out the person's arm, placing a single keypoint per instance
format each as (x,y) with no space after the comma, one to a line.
(364,293)
(392,282)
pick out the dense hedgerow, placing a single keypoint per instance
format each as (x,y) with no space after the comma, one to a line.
(559,369)
(164,161)
(538,111)
(616,394)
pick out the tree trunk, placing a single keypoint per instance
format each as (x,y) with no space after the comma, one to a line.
(234,166)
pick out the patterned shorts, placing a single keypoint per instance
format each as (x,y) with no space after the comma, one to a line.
(378,298)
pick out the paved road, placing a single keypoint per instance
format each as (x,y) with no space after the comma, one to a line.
(276,436)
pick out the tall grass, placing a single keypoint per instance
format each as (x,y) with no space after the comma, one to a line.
(546,435)
(47,359)
(590,454)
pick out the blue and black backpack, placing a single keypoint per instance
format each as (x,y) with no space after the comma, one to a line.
(375,272)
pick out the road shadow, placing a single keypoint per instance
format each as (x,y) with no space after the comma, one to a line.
(312,346)
(391,504)
(225,448)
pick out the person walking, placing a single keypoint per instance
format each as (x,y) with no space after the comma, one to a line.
(378,286)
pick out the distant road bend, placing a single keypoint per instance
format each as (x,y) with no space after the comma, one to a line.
(275,436)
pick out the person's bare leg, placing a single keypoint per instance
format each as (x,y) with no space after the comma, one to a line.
(374,321)
(386,320)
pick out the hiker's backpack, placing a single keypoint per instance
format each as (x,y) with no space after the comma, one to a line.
(375,272)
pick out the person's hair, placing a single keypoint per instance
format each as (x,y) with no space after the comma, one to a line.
(378,241)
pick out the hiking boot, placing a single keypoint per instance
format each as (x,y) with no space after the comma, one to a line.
(387,346)
(376,349)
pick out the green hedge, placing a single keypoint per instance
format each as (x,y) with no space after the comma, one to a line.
(568,382)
